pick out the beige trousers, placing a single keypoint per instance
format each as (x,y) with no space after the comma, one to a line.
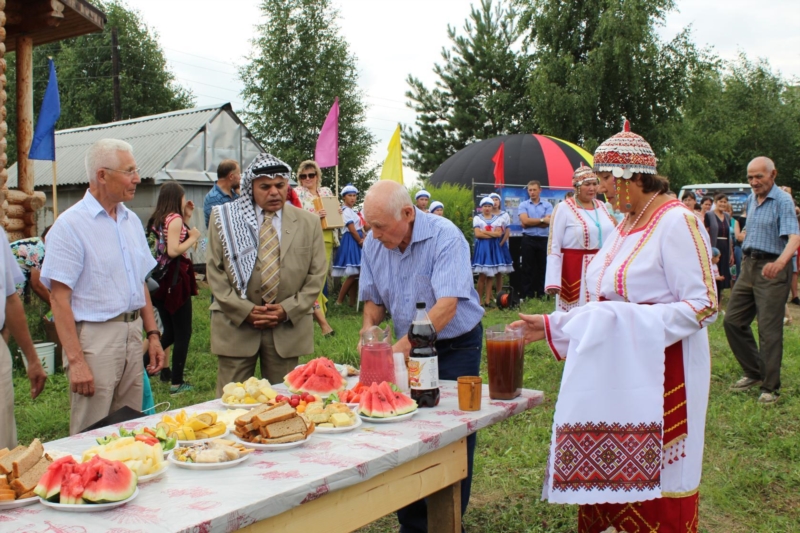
(8,426)
(238,369)
(113,351)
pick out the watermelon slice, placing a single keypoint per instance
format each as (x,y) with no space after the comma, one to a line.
(112,481)
(402,403)
(388,393)
(319,376)
(381,408)
(49,486)
(71,484)
(365,405)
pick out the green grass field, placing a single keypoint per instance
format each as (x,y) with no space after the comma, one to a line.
(751,477)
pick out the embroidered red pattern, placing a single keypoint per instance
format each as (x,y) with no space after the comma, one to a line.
(598,455)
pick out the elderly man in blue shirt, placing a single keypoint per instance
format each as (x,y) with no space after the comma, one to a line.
(534,215)
(409,257)
(761,289)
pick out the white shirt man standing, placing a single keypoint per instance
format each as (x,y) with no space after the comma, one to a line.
(96,264)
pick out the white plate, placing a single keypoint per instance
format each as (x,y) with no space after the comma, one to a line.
(344,429)
(207,466)
(87,507)
(200,441)
(273,447)
(247,406)
(388,420)
(154,475)
(18,503)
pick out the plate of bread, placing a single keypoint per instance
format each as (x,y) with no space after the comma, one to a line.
(20,471)
(332,418)
(273,427)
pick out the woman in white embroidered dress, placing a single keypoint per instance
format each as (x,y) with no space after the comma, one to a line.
(578,228)
(629,425)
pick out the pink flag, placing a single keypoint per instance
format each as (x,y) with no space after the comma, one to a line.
(327,152)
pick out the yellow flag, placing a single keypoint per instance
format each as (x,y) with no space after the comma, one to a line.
(393,166)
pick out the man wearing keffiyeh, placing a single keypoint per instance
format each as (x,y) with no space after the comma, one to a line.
(266,266)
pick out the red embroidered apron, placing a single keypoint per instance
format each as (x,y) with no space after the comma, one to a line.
(572,261)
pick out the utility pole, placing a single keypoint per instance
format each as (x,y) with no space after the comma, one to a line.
(115,75)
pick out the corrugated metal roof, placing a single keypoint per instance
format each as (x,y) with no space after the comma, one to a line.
(156,139)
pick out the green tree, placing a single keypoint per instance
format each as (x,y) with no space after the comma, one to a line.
(480,92)
(741,111)
(595,61)
(83,65)
(299,64)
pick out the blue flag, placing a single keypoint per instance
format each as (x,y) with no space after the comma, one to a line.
(44,136)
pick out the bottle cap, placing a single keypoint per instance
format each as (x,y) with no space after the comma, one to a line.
(420,305)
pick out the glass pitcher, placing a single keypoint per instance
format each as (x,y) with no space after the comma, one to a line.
(377,360)
(505,355)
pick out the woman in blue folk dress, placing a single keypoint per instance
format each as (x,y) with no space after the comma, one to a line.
(488,259)
(347,262)
(503,221)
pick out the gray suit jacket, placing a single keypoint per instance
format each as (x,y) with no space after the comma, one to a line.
(303,269)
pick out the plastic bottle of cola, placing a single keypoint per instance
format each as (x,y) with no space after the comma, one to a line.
(423,365)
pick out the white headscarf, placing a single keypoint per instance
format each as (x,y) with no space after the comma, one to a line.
(237,222)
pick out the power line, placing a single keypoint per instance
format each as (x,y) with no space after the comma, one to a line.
(201,57)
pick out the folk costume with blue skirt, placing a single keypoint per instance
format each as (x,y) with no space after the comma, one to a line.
(488,257)
(348,256)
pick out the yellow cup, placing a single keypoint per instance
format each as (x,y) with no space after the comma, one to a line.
(469,393)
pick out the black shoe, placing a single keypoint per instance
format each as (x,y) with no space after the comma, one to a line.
(795,301)
(166,374)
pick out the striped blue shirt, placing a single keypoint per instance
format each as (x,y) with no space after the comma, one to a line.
(104,261)
(436,264)
(770,224)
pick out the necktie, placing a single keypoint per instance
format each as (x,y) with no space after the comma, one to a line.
(270,256)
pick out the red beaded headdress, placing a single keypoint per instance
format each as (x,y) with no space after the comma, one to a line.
(625,154)
(582,173)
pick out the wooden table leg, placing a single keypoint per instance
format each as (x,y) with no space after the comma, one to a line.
(444,510)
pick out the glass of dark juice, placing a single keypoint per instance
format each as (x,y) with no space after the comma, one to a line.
(505,357)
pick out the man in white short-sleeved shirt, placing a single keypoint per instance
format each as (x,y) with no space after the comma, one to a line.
(10,274)
(96,264)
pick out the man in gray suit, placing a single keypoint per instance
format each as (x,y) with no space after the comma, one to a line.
(266,267)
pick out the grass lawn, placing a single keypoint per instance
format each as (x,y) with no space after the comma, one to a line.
(751,477)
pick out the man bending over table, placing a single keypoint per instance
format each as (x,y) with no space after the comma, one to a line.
(409,257)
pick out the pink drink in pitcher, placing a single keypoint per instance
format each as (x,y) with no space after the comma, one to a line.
(377,363)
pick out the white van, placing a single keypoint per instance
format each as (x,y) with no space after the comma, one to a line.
(737,193)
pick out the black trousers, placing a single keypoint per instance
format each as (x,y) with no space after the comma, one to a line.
(534,263)
(177,332)
(457,357)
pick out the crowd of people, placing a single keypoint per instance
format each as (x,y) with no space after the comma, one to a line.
(643,272)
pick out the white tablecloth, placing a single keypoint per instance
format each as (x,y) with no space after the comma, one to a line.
(267,483)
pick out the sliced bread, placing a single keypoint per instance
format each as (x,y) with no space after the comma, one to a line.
(280,413)
(286,427)
(7,461)
(28,481)
(27,459)
(247,418)
(294,437)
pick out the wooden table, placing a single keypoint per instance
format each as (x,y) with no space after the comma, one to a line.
(333,483)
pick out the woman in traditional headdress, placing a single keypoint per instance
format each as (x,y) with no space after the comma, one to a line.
(578,228)
(629,423)
(309,178)
(437,208)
